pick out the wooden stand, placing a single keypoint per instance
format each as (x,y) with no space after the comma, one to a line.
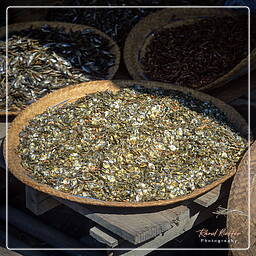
(5,252)
(132,227)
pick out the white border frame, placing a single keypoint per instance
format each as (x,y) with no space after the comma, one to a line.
(131,249)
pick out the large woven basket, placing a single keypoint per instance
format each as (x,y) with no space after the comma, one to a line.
(238,200)
(72,93)
(139,37)
(67,26)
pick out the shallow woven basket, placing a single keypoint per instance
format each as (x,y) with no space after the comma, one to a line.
(238,200)
(68,26)
(72,93)
(139,38)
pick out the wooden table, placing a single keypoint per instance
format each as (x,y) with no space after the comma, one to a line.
(5,252)
(136,228)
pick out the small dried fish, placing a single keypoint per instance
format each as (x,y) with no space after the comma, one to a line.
(42,60)
(133,145)
(115,22)
(197,54)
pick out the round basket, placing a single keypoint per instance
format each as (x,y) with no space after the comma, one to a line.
(72,93)
(67,26)
(238,200)
(139,38)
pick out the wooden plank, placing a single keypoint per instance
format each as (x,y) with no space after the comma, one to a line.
(39,202)
(135,226)
(209,198)
(2,130)
(104,236)
(5,252)
(35,195)
(138,226)
(196,217)
(158,241)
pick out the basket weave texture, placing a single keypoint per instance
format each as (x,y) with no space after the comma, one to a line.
(238,200)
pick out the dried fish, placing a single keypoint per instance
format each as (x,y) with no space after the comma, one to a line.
(115,22)
(133,145)
(42,60)
(197,54)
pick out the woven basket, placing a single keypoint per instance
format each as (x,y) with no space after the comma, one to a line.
(138,38)
(72,93)
(68,26)
(238,200)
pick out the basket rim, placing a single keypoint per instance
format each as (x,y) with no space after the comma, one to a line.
(16,27)
(137,36)
(80,90)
